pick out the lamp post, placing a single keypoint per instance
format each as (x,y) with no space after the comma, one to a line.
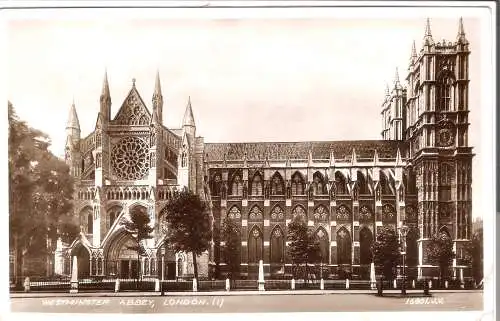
(404,232)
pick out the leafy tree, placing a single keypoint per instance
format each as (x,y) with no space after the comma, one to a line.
(138,226)
(386,251)
(189,227)
(230,235)
(40,193)
(474,254)
(440,253)
(477,254)
(303,248)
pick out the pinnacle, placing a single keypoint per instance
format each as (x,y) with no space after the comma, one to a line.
(188,115)
(428,28)
(157,83)
(428,35)
(397,83)
(105,85)
(73,121)
(461,33)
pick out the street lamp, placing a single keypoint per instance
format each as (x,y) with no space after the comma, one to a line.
(404,231)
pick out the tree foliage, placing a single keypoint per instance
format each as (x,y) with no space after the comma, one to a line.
(304,247)
(440,252)
(189,228)
(231,236)
(40,193)
(476,254)
(137,225)
(386,252)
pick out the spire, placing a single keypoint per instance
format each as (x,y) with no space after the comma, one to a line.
(428,41)
(413,57)
(105,86)
(397,83)
(188,115)
(158,98)
(387,93)
(157,84)
(73,121)
(154,118)
(105,98)
(428,28)
(461,33)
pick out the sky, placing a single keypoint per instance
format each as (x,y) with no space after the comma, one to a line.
(254,78)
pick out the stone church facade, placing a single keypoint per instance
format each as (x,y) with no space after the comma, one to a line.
(418,175)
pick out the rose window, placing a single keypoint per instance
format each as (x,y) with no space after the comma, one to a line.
(130,159)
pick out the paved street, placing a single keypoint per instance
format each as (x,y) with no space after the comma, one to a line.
(340,302)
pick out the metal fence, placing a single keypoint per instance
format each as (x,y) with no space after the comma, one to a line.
(149,285)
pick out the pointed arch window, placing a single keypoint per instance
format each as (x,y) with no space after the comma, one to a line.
(297,184)
(90,223)
(255,245)
(255,214)
(277,185)
(299,214)
(365,243)
(114,213)
(445,175)
(237,186)
(343,246)
(216,184)
(362,184)
(340,181)
(384,184)
(184,159)
(319,186)
(256,184)
(446,93)
(87,220)
(322,238)
(277,246)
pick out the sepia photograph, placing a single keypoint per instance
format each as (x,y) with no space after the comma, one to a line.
(208,158)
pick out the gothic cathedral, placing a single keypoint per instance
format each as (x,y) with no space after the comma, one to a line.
(418,175)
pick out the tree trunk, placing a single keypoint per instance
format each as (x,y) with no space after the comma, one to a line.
(195,267)
(138,261)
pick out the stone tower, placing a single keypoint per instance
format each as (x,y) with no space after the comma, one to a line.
(437,132)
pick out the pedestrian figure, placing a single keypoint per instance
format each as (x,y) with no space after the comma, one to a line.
(27,284)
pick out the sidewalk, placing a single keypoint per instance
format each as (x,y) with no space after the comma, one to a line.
(391,292)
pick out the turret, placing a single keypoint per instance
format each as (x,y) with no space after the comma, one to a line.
(72,151)
(73,125)
(188,124)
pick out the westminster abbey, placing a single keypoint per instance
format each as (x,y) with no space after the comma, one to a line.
(417,175)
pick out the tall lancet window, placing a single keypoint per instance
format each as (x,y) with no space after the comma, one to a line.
(237,186)
(297,184)
(277,245)
(184,159)
(256,184)
(255,245)
(446,93)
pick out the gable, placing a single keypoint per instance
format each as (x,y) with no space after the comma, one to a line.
(133,111)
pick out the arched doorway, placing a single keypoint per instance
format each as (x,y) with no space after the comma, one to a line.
(121,257)
(83,260)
